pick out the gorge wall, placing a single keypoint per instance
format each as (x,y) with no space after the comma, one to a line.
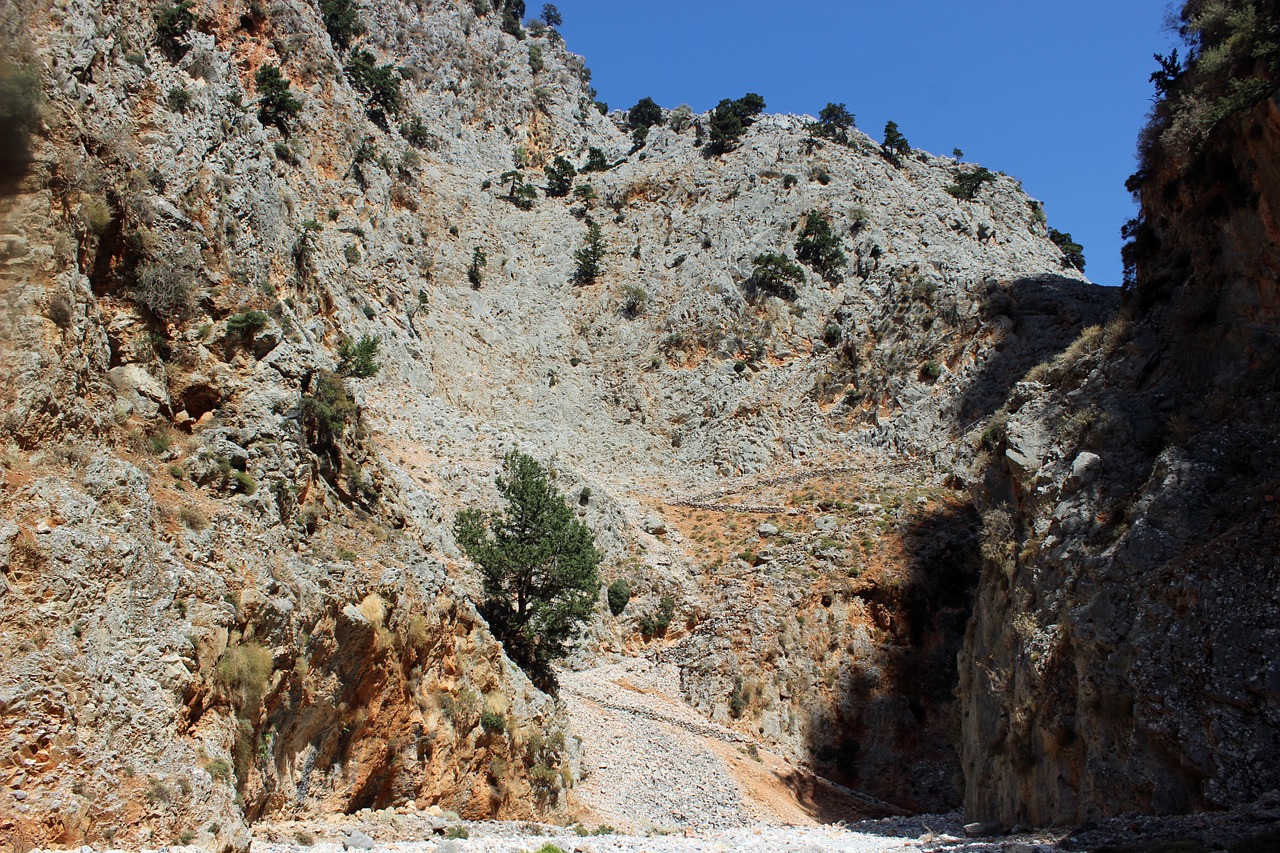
(1123,654)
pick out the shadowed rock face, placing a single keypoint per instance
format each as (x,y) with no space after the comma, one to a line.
(1123,654)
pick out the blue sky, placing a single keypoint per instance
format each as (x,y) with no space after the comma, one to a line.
(1052,93)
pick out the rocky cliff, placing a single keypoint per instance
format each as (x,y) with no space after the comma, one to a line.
(1123,654)
(230,590)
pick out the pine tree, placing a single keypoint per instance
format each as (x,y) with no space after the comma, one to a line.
(537,562)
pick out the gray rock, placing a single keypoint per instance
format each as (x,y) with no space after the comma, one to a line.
(357,840)
(654,525)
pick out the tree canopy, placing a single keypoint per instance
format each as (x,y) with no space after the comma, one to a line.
(646,113)
(730,119)
(276,104)
(819,247)
(560,175)
(834,122)
(537,562)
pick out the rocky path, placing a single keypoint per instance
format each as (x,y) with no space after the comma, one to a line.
(646,757)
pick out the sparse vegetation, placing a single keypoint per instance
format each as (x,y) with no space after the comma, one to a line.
(242,672)
(358,358)
(967,184)
(730,120)
(588,259)
(276,104)
(619,595)
(819,247)
(774,275)
(475,270)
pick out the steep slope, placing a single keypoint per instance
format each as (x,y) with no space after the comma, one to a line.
(230,589)
(1123,654)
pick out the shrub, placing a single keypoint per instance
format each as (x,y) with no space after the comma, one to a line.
(352,254)
(415,132)
(968,183)
(475,270)
(243,671)
(537,563)
(341,21)
(550,848)
(219,769)
(326,413)
(381,83)
(179,99)
(457,832)
(680,118)
(586,194)
(930,371)
(737,699)
(172,25)
(536,63)
(639,136)
(492,722)
(244,484)
(511,23)
(560,175)
(193,518)
(619,594)
(246,324)
(832,335)
(165,291)
(588,258)
(773,275)
(656,625)
(789,181)
(818,246)
(276,105)
(358,358)
(1072,252)
(634,300)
